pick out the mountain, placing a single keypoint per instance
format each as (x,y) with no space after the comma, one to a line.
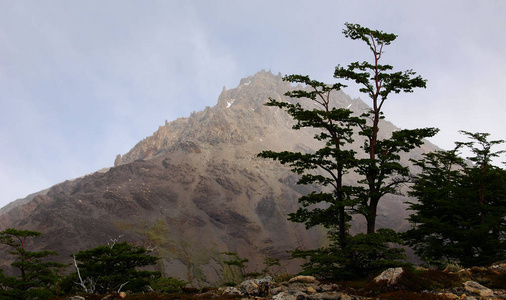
(196,189)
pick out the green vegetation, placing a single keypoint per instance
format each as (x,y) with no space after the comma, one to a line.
(236,266)
(379,166)
(364,254)
(36,276)
(167,285)
(381,169)
(458,219)
(459,216)
(112,268)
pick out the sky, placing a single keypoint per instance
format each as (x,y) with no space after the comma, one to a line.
(83,81)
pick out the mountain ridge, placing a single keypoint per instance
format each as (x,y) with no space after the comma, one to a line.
(195,189)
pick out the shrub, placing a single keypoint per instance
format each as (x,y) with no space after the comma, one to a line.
(112,267)
(167,285)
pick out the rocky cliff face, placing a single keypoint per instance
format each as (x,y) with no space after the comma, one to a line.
(195,189)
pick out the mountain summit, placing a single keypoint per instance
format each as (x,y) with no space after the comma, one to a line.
(195,189)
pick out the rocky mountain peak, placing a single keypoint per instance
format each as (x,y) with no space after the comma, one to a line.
(239,116)
(195,189)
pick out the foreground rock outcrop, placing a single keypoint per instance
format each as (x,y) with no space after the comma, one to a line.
(391,284)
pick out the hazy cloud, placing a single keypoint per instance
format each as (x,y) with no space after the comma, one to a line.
(83,81)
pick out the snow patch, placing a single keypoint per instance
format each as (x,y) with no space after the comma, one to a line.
(229,103)
(348,106)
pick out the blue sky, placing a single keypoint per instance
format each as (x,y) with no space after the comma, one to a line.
(83,81)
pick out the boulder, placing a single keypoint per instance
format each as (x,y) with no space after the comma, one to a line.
(257,287)
(310,290)
(391,276)
(476,288)
(232,291)
(291,295)
(302,279)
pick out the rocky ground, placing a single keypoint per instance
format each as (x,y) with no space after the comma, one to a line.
(397,283)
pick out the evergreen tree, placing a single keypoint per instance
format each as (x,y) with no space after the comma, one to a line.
(112,267)
(37,277)
(332,160)
(381,170)
(459,216)
(361,255)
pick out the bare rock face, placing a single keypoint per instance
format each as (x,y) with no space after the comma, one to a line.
(195,189)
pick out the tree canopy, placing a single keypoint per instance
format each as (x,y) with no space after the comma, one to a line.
(36,275)
(460,208)
(378,166)
(113,267)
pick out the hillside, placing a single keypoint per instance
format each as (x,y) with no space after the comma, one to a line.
(195,188)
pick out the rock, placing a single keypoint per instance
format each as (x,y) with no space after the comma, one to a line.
(303,279)
(249,287)
(257,287)
(450,296)
(328,287)
(291,295)
(311,290)
(117,161)
(232,291)
(501,267)
(76,298)
(390,275)
(476,288)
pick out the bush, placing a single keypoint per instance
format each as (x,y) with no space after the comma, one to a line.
(167,285)
(283,277)
(38,277)
(111,268)
(417,281)
(363,254)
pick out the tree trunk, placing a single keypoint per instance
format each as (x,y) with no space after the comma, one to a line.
(371,218)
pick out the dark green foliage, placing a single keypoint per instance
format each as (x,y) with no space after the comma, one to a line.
(362,255)
(332,160)
(237,267)
(113,267)
(431,279)
(36,277)
(269,263)
(459,216)
(167,285)
(414,284)
(381,170)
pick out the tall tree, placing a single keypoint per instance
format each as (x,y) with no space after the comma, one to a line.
(381,169)
(332,160)
(37,277)
(459,216)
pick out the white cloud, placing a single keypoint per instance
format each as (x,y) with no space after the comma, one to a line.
(83,81)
